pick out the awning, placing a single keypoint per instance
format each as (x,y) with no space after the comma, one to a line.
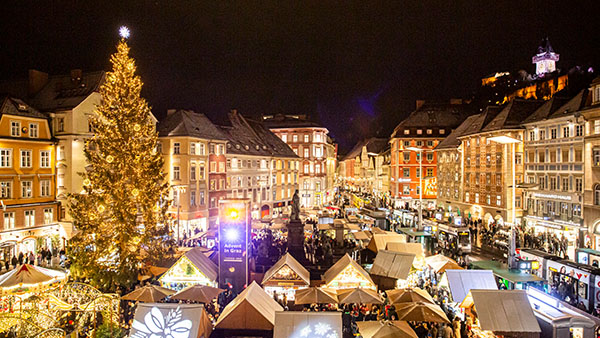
(504,311)
(392,264)
(461,282)
(152,317)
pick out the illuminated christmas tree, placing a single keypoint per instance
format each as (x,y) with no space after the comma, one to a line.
(121,212)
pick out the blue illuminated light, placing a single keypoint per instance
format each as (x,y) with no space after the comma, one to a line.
(232,235)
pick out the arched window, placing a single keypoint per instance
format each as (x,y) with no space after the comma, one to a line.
(597,194)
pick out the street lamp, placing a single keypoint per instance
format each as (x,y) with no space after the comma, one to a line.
(504,139)
(420,152)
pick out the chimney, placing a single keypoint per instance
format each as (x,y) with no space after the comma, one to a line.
(37,81)
(76,75)
(420,103)
(171,111)
(456,101)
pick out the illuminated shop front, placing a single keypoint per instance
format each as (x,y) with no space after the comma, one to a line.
(569,230)
(348,274)
(190,269)
(285,277)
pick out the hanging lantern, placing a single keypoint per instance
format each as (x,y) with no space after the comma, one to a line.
(110,158)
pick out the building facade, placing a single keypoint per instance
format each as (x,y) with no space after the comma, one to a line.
(260,166)
(554,173)
(488,164)
(591,155)
(359,168)
(27,180)
(416,136)
(191,146)
(311,143)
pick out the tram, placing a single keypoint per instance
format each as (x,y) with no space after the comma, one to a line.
(454,238)
(583,281)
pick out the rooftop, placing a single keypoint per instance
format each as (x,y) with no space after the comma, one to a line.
(452,140)
(189,123)
(446,116)
(10,105)
(513,114)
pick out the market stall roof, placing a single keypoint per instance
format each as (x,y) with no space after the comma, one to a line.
(343,263)
(504,311)
(461,282)
(324,226)
(189,319)
(380,241)
(316,295)
(352,227)
(376,230)
(392,264)
(252,309)
(361,235)
(297,270)
(409,295)
(199,260)
(441,263)
(26,276)
(501,271)
(413,248)
(359,296)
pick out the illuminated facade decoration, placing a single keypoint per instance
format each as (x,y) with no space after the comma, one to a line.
(488,168)
(28,176)
(260,166)
(424,129)
(554,173)
(316,150)
(170,321)
(347,274)
(193,150)
(190,269)
(545,59)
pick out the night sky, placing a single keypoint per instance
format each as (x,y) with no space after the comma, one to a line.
(357,67)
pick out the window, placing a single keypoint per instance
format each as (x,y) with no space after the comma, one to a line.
(466,197)
(406,143)
(552,183)
(60,124)
(406,131)
(33,130)
(419,131)
(406,156)
(221,167)
(578,130)
(542,134)
(26,191)
(498,179)
(284,137)
(213,202)
(476,197)
(578,184)
(213,167)
(48,215)
(553,133)
(418,172)
(566,131)
(317,169)
(221,149)
(201,199)
(193,173)
(406,189)
(15,128)
(25,158)
(498,200)
(201,172)
(201,149)
(295,138)
(488,179)
(406,172)
(176,147)
(306,138)
(418,190)
(306,168)
(488,199)
(45,188)
(429,131)
(44,158)
(597,127)
(213,185)
(442,131)
(565,184)
(419,143)
(429,157)
(192,148)
(176,173)
(429,172)
(6,189)
(306,152)
(597,194)
(29,218)
(159,147)
(193,197)
(532,135)
(9,220)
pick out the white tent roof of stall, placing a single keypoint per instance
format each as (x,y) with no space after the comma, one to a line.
(340,265)
(293,264)
(504,311)
(392,264)
(463,281)
(252,309)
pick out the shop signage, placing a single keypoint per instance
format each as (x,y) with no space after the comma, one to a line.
(234,222)
(552,196)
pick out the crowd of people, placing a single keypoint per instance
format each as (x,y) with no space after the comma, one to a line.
(44,258)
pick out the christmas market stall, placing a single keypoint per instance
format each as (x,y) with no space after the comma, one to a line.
(380,241)
(251,313)
(461,282)
(346,273)
(191,268)
(389,267)
(294,324)
(413,248)
(285,277)
(170,320)
(507,313)
(27,278)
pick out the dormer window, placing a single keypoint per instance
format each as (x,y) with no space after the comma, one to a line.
(597,94)
(419,131)
(406,132)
